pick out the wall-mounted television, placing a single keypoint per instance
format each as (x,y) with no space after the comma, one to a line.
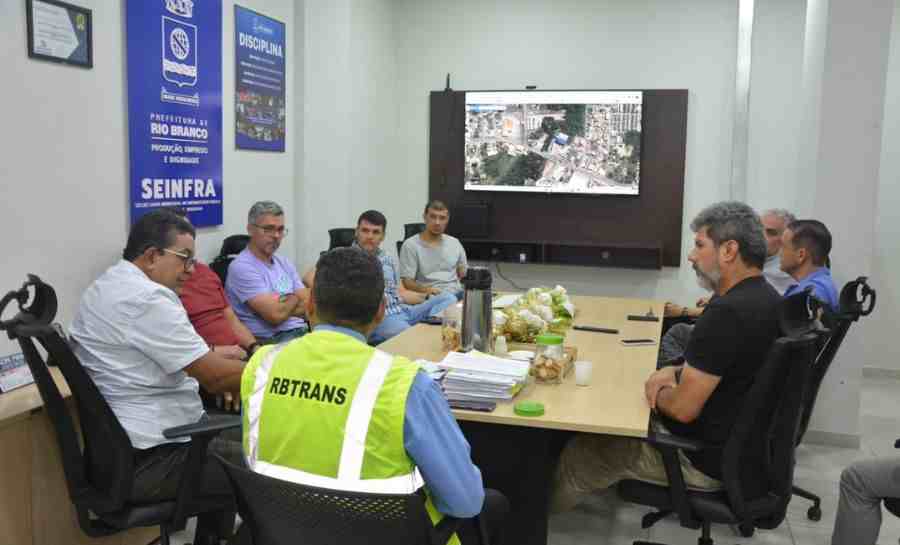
(580,142)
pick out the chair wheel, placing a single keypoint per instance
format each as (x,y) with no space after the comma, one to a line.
(814,513)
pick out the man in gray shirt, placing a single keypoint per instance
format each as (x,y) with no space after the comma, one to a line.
(134,339)
(433,262)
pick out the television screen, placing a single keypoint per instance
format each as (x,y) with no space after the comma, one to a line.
(584,142)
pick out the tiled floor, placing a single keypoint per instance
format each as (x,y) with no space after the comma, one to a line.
(604,519)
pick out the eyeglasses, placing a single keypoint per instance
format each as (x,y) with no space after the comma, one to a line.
(189,261)
(271,229)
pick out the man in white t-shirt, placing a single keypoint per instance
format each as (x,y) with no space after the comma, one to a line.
(134,339)
(433,262)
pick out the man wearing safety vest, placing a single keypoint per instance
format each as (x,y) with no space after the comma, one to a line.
(327,410)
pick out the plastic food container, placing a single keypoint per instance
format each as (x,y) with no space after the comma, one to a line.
(548,365)
(451,327)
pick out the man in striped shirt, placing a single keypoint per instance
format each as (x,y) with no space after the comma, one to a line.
(403,308)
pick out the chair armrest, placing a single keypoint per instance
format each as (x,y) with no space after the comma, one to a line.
(670,440)
(211,425)
(201,433)
(668,446)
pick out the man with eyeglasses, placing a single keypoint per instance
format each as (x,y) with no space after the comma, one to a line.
(133,337)
(264,289)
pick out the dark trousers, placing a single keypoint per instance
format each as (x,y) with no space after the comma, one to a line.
(487,527)
(158,472)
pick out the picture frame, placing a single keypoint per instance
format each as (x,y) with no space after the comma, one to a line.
(60,32)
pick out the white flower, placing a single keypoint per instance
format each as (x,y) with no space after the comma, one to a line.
(499,318)
(569,307)
(544,312)
(558,290)
(545,299)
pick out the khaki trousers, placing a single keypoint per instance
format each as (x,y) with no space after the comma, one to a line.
(592,462)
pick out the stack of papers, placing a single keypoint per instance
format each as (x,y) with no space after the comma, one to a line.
(478,377)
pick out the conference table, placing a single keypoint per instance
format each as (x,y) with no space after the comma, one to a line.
(517,454)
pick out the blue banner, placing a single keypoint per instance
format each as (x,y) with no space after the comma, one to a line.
(259,119)
(175,107)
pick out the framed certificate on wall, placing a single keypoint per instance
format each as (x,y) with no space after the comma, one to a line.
(59,32)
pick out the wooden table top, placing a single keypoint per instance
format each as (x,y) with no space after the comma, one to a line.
(612,404)
(23,400)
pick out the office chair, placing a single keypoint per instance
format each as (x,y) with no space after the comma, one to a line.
(278,512)
(99,477)
(412,229)
(857,299)
(341,237)
(231,247)
(409,230)
(757,459)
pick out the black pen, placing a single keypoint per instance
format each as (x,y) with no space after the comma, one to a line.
(596,329)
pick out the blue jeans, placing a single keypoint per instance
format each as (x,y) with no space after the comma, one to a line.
(409,316)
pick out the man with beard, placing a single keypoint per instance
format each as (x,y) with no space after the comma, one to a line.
(264,289)
(701,398)
(774,222)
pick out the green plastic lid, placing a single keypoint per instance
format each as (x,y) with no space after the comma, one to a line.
(528,408)
(549,338)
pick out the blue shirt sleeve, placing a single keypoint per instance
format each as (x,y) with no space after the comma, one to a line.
(436,444)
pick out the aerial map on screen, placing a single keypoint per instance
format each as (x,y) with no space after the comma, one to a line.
(584,142)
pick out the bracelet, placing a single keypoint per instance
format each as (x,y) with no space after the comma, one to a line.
(251,348)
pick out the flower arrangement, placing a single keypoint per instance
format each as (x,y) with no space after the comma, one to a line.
(539,310)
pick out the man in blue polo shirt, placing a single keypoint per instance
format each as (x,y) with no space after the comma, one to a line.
(804,251)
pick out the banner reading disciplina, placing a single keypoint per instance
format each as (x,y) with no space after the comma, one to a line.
(259,81)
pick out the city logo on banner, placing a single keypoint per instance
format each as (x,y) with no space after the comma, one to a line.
(179,60)
(181,8)
(179,53)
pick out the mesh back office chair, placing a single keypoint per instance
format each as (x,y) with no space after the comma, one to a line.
(857,299)
(341,237)
(757,459)
(231,247)
(279,512)
(409,230)
(100,477)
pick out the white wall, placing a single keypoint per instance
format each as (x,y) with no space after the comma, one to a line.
(773,146)
(572,44)
(349,119)
(64,171)
(886,270)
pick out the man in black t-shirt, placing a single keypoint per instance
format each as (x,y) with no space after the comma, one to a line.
(701,398)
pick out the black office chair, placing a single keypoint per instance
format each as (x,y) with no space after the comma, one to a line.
(409,230)
(412,229)
(231,247)
(99,477)
(341,237)
(857,299)
(279,512)
(757,459)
